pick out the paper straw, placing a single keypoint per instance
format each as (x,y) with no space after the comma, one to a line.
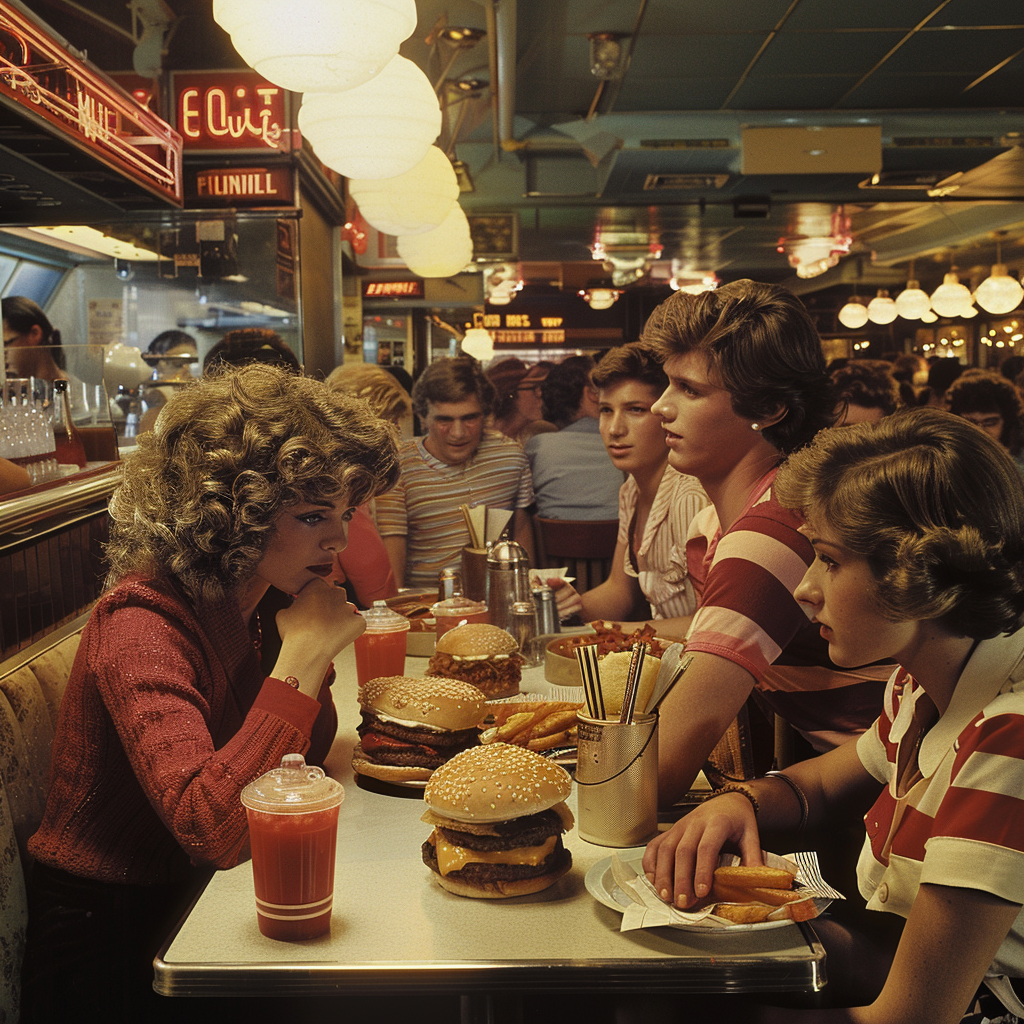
(587,658)
(636,665)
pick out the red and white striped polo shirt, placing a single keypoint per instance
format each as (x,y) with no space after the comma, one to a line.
(962,822)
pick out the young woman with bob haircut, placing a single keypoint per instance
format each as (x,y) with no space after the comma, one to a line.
(247,482)
(747,385)
(917,523)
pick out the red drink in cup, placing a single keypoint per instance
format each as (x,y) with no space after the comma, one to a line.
(455,611)
(293,827)
(380,649)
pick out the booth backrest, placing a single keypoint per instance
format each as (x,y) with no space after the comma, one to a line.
(32,685)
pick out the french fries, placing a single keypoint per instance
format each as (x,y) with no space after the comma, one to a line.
(748,895)
(536,726)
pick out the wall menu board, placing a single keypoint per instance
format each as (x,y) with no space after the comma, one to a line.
(554,319)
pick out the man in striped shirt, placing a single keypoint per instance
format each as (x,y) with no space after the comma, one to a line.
(458,462)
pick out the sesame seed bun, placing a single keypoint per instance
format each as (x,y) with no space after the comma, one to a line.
(476,638)
(496,782)
(444,703)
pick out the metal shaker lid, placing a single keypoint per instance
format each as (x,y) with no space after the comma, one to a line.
(507,554)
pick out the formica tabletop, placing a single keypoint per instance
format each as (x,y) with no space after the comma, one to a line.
(394,927)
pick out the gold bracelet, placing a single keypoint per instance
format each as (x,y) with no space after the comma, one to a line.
(735,787)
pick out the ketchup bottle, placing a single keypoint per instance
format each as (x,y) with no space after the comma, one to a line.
(70,450)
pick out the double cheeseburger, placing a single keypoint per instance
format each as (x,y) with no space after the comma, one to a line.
(482,655)
(410,727)
(498,813)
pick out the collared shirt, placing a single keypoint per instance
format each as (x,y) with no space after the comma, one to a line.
(955,814)
(661,557)
(424,506)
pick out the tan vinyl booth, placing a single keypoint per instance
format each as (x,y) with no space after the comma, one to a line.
(32,684)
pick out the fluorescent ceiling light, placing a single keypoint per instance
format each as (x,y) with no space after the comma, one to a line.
(85,241)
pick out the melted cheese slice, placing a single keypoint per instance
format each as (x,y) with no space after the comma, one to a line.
(454,858)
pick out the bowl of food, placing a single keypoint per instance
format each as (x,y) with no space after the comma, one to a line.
(562,669)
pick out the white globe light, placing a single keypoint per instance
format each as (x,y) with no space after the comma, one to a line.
(853,315)
(999,293)
(882,309)
(380,129)
(912,303)
(928,316)
(478,343)
(409,203)
(318,45)
(951,296)
(442,252)
(968,312)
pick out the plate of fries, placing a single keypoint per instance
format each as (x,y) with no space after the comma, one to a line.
(547,727)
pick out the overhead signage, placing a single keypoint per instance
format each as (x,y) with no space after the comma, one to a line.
(393,289)
(45,81)
(236,110)
(243,186)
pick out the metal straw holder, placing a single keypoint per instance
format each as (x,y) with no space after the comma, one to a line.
(617,780)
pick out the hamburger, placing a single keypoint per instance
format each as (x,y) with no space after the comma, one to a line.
(410,727)
(498,814)
(482,655)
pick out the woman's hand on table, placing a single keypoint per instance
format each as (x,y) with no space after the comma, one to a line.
(318,623)
(567,599)
(681,861)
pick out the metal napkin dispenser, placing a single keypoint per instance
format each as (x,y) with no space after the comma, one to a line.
(508,577)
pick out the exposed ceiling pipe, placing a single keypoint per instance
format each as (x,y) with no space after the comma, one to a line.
(501,24)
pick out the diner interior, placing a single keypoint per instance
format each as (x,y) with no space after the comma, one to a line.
(608,155)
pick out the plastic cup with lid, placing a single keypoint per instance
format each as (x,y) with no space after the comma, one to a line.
(380,649)
(293,829)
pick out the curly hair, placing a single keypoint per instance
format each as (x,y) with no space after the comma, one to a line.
(561,393)
(385,395)
(933,504)
(763,347)
(979,392)
(453,379)
(868,383)
(201,496)
(635,361)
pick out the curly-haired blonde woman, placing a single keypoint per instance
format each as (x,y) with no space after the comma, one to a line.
(248,481)
(918,529)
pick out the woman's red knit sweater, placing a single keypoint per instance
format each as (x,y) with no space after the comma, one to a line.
(166,718)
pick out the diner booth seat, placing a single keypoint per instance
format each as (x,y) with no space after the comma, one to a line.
(32,683)
(584,547)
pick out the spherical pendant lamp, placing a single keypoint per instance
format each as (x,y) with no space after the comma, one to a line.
(318,45)
(999,293)
(442,252)
(380,129)
(951,296)
(854,314)
(409,203)
(882,309)
(912,303)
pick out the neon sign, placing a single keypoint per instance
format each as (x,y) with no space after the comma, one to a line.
(245,185)
(43,80)
(393,289)
(232,110)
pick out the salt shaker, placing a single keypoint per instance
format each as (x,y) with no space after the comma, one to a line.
(547,611)
(523,627)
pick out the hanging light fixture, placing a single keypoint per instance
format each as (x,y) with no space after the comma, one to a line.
(882,309)
(999,293)
(928,316)
(477,341)
(854,314)
(951,296)
(409,203)
(600,298)
(320,45)
(441,252)
(380,129)
(912,303)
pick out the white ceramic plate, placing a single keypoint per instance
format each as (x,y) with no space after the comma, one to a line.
(602,886)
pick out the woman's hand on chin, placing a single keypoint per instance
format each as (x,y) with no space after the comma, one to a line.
(318,623)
